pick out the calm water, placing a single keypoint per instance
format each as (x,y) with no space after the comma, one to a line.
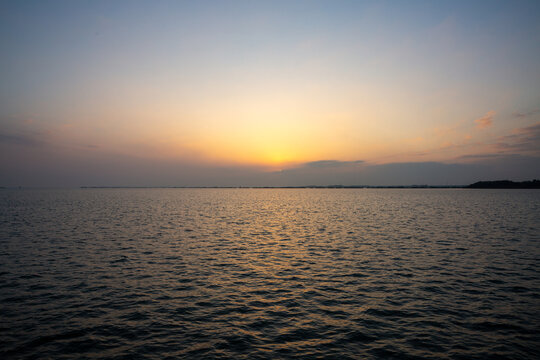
(269,273)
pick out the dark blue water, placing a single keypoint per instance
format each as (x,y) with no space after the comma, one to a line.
(269,273)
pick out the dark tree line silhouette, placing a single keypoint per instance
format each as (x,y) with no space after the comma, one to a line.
(506,184)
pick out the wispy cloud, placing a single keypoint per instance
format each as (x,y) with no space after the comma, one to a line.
(485,121)
(479,156)
(517,114)
(21,140)
(332,163)
(523,140)
(41,141)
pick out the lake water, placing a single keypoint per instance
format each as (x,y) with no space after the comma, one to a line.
(270,273)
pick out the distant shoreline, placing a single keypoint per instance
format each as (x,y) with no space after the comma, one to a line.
(498,184)
(284,187)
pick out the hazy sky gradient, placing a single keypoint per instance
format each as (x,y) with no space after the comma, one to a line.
(256,93)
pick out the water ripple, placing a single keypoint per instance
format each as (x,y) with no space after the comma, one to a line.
(265,274)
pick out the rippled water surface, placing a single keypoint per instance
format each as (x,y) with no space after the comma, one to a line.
(270,273)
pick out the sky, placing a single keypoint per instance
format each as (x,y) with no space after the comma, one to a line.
(268,93)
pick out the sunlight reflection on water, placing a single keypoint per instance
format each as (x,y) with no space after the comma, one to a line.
(266,273)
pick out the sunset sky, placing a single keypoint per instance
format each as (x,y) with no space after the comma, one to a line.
(164,93)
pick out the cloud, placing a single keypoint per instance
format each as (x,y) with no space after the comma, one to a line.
(505,166)
(332,163)
(485,121)
(523,140)
(525,114)
(21,140)
(41,166)
(479,156)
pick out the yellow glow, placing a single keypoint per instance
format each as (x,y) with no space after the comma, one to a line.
(274,123)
